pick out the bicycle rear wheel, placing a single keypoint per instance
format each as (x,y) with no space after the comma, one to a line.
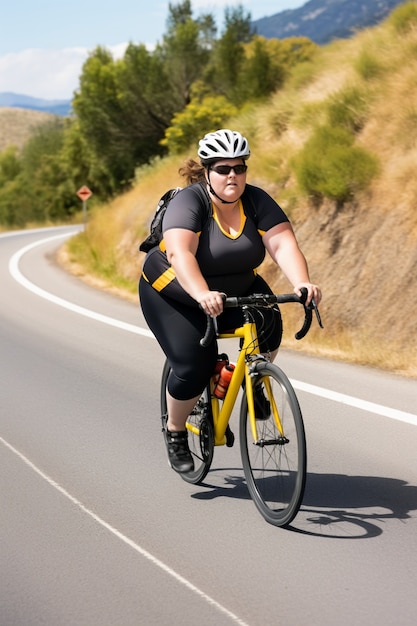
(275,466)
(200,431)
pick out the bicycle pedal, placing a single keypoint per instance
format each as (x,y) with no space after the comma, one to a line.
(230,437)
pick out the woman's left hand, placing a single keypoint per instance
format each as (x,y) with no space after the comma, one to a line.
(314,292)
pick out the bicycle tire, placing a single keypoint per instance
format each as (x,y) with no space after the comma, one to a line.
(200,431)
(275,468)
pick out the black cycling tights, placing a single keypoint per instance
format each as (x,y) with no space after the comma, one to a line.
(179,328)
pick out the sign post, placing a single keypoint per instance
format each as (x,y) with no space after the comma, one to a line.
(84,193)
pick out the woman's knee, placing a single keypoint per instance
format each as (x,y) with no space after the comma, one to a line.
(189,377)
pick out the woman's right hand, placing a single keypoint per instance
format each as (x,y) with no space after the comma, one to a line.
(211,302)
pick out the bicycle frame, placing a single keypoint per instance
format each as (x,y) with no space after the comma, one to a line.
(249,351)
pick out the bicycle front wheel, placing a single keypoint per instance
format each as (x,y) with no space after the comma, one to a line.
(275,465)
(200,431)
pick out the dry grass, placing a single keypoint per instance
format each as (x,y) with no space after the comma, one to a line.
(363,254)
(17,125)
(111,253)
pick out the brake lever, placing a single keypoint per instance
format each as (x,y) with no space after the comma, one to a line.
(315,308)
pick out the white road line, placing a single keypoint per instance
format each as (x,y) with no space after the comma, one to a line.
(132,544)
(341,398)
(364,405)
(98,317)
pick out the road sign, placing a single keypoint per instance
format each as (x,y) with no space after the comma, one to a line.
(84,193)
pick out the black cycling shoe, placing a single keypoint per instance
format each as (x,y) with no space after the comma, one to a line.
(262,404)
(179,455)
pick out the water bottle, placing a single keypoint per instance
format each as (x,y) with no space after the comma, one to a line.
(222,360)
(224,380)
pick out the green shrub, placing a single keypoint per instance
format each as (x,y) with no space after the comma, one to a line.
(348,109)
(310,114)
(404,18)
(368,65)
(331,166)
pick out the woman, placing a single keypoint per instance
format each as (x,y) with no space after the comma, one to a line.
(216,231)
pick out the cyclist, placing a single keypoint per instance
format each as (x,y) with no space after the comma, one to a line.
(210,252)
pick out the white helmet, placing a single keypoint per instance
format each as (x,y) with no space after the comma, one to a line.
(223,144)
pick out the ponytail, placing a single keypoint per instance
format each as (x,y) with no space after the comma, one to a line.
(192,171)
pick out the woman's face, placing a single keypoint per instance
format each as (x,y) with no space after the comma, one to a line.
(229,185)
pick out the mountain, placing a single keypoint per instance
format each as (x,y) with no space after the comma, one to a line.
(19,101)
(319,20)
(325,20)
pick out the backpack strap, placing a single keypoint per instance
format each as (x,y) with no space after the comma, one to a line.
(250,205)
(201,191)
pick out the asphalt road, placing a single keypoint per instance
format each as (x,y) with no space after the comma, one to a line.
(96,530)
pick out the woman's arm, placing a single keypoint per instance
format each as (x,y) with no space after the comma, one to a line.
(282,245)
(181,247)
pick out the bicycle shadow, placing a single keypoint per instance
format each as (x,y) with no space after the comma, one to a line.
(233,485)
(353,507)
(337,505)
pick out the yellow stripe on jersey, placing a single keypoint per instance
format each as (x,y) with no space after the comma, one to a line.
(164,279)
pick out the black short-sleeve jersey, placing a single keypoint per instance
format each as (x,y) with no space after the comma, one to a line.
(227,262)
(187,210)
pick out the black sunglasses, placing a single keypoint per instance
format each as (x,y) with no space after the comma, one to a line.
(224,170)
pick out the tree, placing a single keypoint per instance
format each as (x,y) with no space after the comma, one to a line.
(258,77)
(142,81)
(186,50)
(97,107)
(198,118)
(9,165)
(79,161)
(208,31)
(43,175)
(228,59)
(10,168)
(36,184)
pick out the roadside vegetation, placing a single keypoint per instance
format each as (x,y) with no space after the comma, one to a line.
(334,140)
(146,105)
(17,125)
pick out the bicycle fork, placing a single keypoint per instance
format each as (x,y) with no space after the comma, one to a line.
(251,379)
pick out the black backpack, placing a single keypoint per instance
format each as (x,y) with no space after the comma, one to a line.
(155,236)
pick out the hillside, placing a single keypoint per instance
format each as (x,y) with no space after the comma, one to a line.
(363,252)
(322,21)
(16,125)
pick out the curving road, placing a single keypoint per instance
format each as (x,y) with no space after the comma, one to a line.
(96,530)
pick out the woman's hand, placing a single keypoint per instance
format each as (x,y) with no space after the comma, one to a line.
(314,292)
(211,302)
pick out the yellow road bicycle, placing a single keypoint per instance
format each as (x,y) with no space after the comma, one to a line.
(272,441)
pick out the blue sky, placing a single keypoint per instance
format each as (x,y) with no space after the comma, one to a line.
(43,43)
